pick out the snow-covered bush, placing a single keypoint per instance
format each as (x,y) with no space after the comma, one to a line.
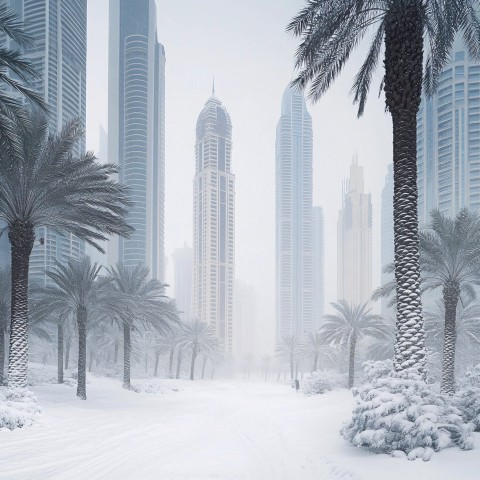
(401,412)
(375,369)
(467,398)
(316,384)
(18,408)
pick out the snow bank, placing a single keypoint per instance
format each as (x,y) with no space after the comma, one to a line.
(467,398)
(316,384)
(401,412)
(18,408)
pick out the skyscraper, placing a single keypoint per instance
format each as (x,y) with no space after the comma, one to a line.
(294,150)
(214,221)
(136,129)
(448,145)
(354,249)
(318,259)
(58,52)
(183,271)
(387,245)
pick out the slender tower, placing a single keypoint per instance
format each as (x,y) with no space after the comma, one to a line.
(318,256)
(294,276)
(136,129)
(214,221)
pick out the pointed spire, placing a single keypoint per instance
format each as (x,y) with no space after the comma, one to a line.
(213,87)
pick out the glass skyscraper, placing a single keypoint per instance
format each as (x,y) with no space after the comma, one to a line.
(318,258)
(294,275)
(58,29)
(214,221)
(136,129)
(448,147)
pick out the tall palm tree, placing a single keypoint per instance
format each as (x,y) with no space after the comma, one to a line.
(46,186)
(288,348)
(78,288)
(330,31)
(148,305)
(349,325)
(450,260)
(197,337)
(5,295)
(314,346)
(15,74)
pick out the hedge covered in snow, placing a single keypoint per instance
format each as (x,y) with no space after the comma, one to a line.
(467,398)
(18,408)
(401,413)
(316,384)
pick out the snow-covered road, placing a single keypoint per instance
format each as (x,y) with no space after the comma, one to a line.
(207,430)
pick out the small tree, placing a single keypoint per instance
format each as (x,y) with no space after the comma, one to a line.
(313,344)
(288,348)
(348,326)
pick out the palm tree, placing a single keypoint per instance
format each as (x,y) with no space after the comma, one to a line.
(450,260)
(314,346)
(330,31)
(197,337)
(349,325)
(288,348)
(80,290)
(5,295)
(148,305)
(46,186)
(15,73)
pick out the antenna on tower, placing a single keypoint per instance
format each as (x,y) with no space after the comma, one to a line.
(213,87)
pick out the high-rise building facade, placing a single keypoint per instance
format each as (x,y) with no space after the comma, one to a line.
(58,52)
(136,129)
(214,221)
(354,237)
(448,145)
(183,274)
(387,244)
(293,178)
(318,262)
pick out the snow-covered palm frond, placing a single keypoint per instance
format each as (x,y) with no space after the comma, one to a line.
(288,346)
(331,30)
(198,336)
(46,186)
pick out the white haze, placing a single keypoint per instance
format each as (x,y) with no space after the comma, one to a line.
(245,47)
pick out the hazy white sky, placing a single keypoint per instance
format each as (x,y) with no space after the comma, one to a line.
(245,47)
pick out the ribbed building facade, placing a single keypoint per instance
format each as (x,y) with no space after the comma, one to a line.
(318,263)
(293,224)
(214,222)
(136,129)
(58,52)
(354,237)
(448,145)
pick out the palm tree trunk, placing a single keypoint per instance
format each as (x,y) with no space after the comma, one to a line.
(204,366)
(170,363)
(22,237)
(351,362)
(2,356)
(291,367)
(127,348)
(82,353)
(403,86)
(451,294)
(68,344)
(115,355)
(157,357)
(315,363)
(192,366)
(179,363)
(60,352)
(296,371)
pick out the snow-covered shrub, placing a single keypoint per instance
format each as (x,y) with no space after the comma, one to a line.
(402,412)
(18,408)
(375,369)
(41,376)
(316,384)
(467,398)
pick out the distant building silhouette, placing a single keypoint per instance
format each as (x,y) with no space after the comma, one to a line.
(183,272)
(387,244)
(318,263)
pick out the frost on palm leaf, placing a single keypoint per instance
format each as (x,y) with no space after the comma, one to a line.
(402,413)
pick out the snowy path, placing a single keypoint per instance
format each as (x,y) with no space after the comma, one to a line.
(208,430)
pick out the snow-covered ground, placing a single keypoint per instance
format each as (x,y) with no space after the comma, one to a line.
(204,430)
